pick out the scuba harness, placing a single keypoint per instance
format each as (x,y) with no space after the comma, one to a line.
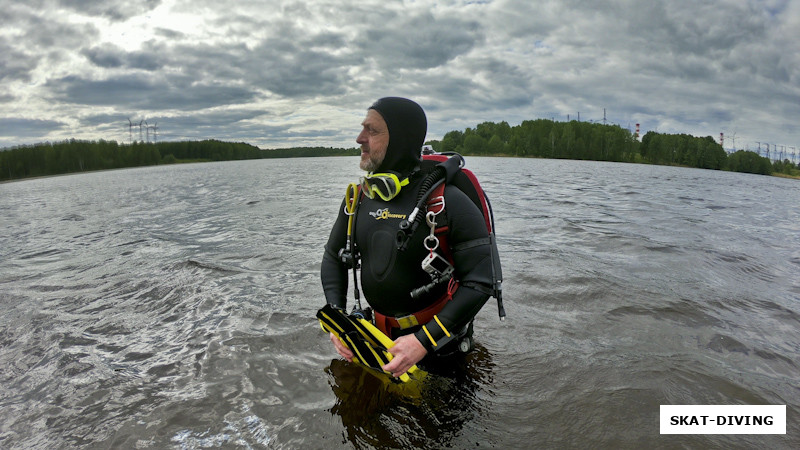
(430,207)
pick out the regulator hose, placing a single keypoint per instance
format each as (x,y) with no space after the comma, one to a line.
(410,225)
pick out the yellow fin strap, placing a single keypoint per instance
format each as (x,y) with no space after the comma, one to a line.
(447,333)
(424,328)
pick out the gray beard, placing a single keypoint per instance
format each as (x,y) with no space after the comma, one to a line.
(370,165)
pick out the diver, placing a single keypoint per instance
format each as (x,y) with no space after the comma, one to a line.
(428,310)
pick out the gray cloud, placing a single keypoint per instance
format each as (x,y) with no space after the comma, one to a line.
(116,10)
(144,92)
(289,62)
(15,64)
(296,72)
(420,41)
(36,24)
(112,56)
(303,72)
(32,39)
(29,128)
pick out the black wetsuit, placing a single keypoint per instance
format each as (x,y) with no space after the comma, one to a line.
(388,275)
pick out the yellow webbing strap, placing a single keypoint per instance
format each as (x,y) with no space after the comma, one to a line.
(350,202)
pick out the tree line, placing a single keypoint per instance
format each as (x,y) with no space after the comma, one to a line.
(80,156)
(543,138)
(539,138)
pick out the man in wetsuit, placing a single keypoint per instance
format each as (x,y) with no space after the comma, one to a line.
(435,323)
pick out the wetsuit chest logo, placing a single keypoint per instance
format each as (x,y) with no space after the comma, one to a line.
(384,213)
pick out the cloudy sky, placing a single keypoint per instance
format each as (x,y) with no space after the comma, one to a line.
(285,73)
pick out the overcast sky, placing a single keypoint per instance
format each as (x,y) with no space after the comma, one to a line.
(285,74)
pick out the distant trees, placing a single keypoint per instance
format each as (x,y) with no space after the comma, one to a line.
(684,150)
(80,156)
(307,152)
(532,138)
(73,156)
(209,150)
(786,167)
(749,162)
(544,139)
(585,140)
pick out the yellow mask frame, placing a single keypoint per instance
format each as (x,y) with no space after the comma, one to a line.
(385,186)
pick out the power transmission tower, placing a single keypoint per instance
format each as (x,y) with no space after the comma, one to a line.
(130,131)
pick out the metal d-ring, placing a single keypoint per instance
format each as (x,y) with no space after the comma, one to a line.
(435,244)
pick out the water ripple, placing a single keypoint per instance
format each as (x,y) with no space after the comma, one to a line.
(174,306)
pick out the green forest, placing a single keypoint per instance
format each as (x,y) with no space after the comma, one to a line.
(532,138)
(79,156)
(593,141)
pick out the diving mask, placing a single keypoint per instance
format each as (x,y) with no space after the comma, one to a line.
(386,186)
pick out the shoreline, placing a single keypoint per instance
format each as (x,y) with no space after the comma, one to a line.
(777,174)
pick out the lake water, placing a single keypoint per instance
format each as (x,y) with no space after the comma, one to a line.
(173,307)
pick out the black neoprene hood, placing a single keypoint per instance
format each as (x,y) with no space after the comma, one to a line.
(407,127)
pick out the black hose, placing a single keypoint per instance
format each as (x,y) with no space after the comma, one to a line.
(407,229)
(441,173)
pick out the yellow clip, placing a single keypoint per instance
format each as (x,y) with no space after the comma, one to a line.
(407,321)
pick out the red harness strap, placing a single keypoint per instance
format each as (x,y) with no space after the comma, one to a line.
(387,323)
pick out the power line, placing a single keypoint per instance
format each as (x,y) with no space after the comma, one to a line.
(154,127)
(147,129)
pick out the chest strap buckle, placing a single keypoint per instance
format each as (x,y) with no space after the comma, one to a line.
(407,321)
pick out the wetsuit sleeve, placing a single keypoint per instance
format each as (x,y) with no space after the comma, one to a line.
(333,272)
(472,255)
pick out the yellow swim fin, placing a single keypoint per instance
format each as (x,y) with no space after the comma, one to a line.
(366,341)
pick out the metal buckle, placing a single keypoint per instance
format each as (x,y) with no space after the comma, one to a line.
(407,321)
(436,204)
